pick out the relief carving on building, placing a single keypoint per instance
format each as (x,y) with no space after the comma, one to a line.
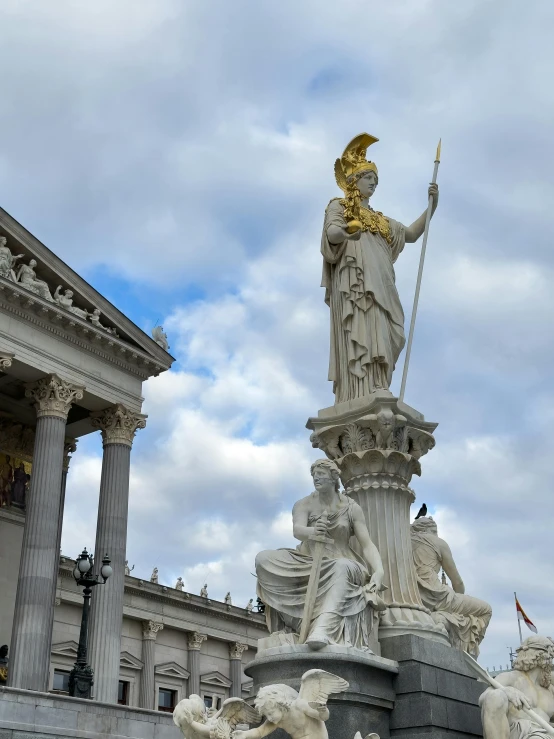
(53,396)
(118,425)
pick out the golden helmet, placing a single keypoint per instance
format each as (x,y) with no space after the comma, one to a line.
(353,159)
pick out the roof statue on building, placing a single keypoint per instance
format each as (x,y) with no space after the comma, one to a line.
(160,337)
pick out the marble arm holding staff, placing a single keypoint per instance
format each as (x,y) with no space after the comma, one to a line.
(348,584)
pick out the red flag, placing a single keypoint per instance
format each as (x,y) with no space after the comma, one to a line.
(522,616)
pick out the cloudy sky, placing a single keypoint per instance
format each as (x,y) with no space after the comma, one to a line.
(180,155)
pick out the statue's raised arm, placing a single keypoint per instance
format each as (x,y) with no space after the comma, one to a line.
(359,247)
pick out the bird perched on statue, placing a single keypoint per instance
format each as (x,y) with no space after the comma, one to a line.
(422,512)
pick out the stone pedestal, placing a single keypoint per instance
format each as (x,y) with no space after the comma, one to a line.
(364,707)
(436,694)
(377,443)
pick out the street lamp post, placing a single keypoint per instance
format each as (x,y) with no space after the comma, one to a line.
(81,677)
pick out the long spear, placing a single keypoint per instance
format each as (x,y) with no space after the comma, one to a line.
(419,276)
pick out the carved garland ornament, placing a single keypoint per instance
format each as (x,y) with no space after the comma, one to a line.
(54,396)
(118,425)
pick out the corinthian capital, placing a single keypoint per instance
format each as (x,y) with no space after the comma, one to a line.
(69,447)
(53,396)
(118,425)
(195,639)
(150,629)
(236,649)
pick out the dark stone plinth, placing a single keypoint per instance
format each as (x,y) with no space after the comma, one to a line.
(436,693)
(365,707)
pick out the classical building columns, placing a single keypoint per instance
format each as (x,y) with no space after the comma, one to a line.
(235,655)
(147,682)
(118,426)
(38,570)
(195,642)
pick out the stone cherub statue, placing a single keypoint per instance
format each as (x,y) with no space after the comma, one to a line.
(191,716)
(7,260)
(160,337)
(302,715)
(154,575)
(359,247)
(465,618)
(344,607)
(528,685)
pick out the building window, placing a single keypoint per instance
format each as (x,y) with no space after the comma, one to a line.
(61,681)
(123,693)
(212,701)
(166,700)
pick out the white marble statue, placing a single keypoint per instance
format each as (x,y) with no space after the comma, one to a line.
(7,260)
(302,715)
(95,320)
(250,605)
(66,301)
(228,601)
(160,337)
(27,278)
(349,583)
(204,590)
(359,247)
(192,717)
(465,618)
(179,585)
(154,575)
(528,685)
(128,569)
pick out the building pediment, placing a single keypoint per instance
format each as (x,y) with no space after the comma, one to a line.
(65,649)
(38,293)
(126,659)
(215,678)
(172,669)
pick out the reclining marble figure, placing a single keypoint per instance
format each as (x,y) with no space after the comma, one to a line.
(528,685)
(465,618)
(302,715)
(347,596)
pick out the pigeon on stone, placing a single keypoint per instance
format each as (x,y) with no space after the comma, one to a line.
(422,512)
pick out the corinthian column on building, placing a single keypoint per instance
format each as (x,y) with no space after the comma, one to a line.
(147,681)
(118,426)
(377,444)
(34,606)
(195,642)
(235,656)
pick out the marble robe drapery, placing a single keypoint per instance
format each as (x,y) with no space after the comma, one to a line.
(466,617)
(367,320)
(340,611)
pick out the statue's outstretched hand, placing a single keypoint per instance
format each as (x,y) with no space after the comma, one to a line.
(516,697)
(434,193)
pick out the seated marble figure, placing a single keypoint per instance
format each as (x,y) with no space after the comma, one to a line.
(349,582)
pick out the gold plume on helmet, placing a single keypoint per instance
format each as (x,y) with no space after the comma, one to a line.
(353,159)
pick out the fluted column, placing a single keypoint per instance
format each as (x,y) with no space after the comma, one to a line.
(147,682)
(118,427)
(235,656)
(195,642)
(36,588)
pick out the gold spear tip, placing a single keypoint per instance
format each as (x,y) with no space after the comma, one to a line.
(438,156)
